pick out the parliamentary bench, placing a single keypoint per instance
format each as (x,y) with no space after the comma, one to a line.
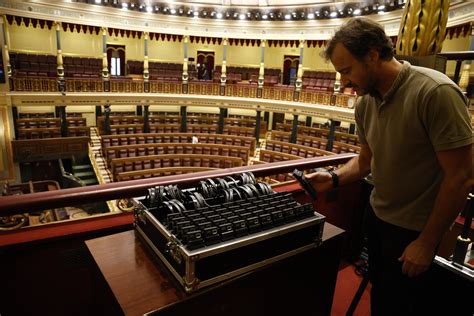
(37,133)
(165,128)
(159,172)
(296,149)
(274,156)
(202,128)
(75,131)
(124,120)
(164,119)
(304,130)
(147,138)
(119,165)
(192,119)
(139,150)
(38,122)
(241,122)
(76,121)
(318,142)
(122,129)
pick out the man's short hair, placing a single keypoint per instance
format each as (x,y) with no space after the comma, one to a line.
(359,35)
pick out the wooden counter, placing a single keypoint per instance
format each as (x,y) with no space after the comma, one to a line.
(141,284)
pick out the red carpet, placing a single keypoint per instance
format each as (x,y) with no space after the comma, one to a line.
(346,286)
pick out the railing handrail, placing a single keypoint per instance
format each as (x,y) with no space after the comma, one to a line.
(67,197)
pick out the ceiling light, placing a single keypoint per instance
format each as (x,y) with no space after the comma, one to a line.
(264,17)
(173,11)
(98,1)
(333,14)
(287,16)
(149,9)
(311,16)
(195,13)
(356,12)
(242,16)
(124,5)
(219,15)
(381,8)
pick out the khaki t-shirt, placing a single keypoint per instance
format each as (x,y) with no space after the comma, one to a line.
(423,112)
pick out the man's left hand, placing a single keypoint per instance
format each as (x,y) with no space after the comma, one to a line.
(417,258)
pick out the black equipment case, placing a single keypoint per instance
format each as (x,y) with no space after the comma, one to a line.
(223,228)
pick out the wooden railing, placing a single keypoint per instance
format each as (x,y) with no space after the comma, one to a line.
(128,85)
(66,197)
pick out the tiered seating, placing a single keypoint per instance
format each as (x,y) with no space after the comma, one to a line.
(122,124)
(202,120)
(119,165)
(273,156)
(34,128)
(164,119)
(159,172)
(319,80)
(305,130)
(248,123)
(138,150)
(295,149)
(165,128)
(148,138)
(33,65)
(248,74)
(36,115)
(318,142)
(76,126)
(82,67)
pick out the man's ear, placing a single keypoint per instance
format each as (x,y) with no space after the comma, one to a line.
(373,56)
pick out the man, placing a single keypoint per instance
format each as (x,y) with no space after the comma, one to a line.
(416,140)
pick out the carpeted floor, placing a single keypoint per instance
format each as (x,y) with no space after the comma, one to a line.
(346,286)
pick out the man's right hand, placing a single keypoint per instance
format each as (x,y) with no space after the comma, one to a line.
(321,180)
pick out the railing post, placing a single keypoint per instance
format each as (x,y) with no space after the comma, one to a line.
(146,72)
(223,79)
(60,67)
(185,75)
(105,62)
(261,72)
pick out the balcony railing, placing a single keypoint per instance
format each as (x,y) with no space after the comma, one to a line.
(129,85)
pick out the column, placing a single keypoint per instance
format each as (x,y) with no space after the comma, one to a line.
(309,121)
(60,67)
(146,122)
(332,131)
(299,74)
(257,128)
(220,124)
(352,128)
(422,28)
(183,114)
(224,68)
(185,75)
(107,119)
(15,118)
(8,66)
(61,113)
(266,118)
(98,112)
(139,110)
(294,129)
(146,72)
(261,72)
(105,63)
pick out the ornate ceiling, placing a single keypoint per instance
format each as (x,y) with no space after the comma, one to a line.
(247,19)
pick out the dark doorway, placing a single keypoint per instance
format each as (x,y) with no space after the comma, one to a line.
(116,59)
(277,118)
(290,68)
(205,65)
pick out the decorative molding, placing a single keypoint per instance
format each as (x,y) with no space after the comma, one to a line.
(117,18)
(166,99)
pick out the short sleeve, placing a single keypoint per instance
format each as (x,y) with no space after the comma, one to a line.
(358,114)
(446,118)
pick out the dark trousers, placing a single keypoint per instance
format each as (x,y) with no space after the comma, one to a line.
(394,293)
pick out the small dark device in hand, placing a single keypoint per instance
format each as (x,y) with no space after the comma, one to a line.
(298,175)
